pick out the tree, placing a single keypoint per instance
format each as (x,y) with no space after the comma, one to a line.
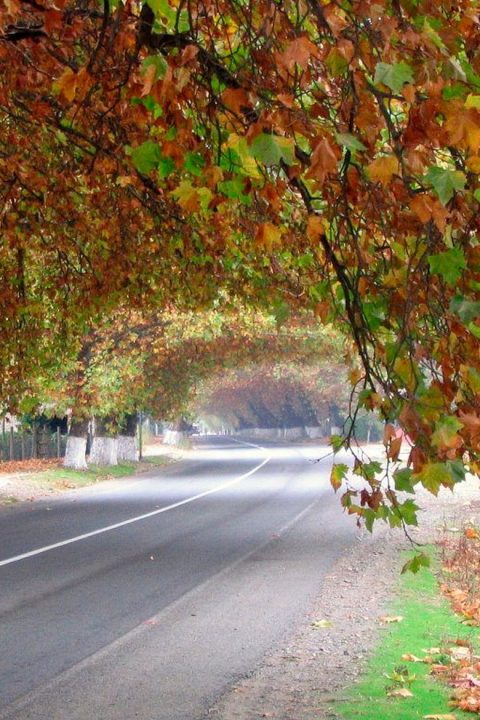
(321,155)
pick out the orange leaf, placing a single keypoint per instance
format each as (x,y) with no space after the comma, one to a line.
(383,168)
(314,227)
(67,84)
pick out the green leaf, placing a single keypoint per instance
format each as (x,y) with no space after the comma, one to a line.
(457,471)
(403,480)
(350,142)
(368,470)
(165,167)
(393,76)
(408,511)
(272,149)
(194,163)
(448,264)
(281,311)
(467,310)
(167,16)
(235,189)
(146,157)
(416,563)
(445,182)
(337,442)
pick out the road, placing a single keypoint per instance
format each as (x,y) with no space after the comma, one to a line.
(146,599)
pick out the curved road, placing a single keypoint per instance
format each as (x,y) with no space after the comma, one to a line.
(145,599)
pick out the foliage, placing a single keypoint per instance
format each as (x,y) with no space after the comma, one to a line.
(322,156)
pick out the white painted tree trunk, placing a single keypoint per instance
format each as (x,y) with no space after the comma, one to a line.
(75,453)
(104,451)
(127,448)
(314,431)
(173,437)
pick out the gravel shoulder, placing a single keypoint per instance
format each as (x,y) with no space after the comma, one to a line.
(303,679)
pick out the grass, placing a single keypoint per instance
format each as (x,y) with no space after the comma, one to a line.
(427,622)
(60,478)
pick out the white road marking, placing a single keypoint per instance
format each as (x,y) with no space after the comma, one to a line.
(108,528)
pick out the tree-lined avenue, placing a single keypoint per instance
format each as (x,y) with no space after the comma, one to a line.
(162,615)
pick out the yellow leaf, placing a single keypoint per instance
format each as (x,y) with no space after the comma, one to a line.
(473,163)
(355,375)
(383,168)
(391,618)
(67,84)
(448,716)
(268,235)
(321,623)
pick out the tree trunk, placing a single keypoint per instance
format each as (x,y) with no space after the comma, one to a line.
(105,443)
(127,441)
(76,445)
(176,434)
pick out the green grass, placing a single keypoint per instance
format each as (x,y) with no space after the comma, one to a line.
(428,622)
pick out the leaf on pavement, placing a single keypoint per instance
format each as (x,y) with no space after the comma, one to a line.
(321,623)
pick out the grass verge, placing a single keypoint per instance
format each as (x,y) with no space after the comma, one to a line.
(428,622)
(60,478)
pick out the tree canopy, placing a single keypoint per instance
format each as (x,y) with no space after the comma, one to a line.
(310,154)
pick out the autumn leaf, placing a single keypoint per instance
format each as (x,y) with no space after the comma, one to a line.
(315,227)
(409,657)
(338,475)
(67,84)
(400,692)
(383,168)
(268,236)
(446,433)
(323,161)
(321,624)
(298,52)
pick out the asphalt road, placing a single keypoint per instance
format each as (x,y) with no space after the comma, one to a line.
(145,599)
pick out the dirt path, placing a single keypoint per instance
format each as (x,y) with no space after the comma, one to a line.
(301,680)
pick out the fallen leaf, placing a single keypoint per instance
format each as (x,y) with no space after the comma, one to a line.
(411,658)
(321,623)
(391,618)
(448,716)
(400,692)
(460,653)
